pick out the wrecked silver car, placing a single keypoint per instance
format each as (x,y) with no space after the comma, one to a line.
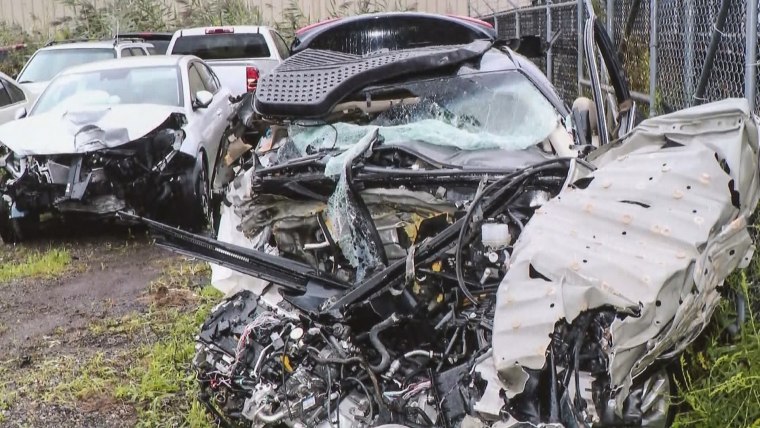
(139,135)
(427,237)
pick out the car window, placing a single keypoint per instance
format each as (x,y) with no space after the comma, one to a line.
(159,46)
(493,110)
(209,80)
(5,99)
(222,46)
(280,44)
(195,81)
(16,94)
(135,85)
(125,52)
(137,52)
(45,64)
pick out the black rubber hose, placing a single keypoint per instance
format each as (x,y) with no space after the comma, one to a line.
(712,51)
(385,357)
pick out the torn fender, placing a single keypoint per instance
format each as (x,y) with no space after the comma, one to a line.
(651,233)
(83,130)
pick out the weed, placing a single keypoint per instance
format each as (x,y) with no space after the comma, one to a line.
(128,325)
(7,395)
(162,385)
(198,13)
(721,381)
(46,265)
(96,377)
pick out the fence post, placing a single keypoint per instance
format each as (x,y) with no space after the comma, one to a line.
(652,54)
(610,18)
(548,38)
(517,24)
(579,37)
(688,81)
(750,61)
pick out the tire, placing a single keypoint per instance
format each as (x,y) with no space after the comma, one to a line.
(15,230)
(195,208)
(658,390)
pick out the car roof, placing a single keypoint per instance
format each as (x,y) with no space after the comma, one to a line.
(93,44)
(131,62)
(391,30)
(242,29)
(148,35)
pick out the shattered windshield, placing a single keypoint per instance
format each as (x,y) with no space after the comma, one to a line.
(46,64)
(144,85)
(500,110)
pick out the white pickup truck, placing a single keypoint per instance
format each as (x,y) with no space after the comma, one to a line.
(237,54)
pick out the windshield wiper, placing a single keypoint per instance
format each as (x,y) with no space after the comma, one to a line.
(25,81)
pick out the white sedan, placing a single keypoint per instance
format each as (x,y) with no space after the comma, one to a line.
(12,98)
(140,135)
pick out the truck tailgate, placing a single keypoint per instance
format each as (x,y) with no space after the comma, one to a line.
(231,73)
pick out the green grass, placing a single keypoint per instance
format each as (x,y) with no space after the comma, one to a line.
(44,265)
(721,378)
(93,378)
(162,384)
(151,373)
(156,378)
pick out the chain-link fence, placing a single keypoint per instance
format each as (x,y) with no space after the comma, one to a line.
(676,53)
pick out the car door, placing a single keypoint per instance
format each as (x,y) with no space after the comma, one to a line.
(210,122)
(221,103)
(12,98)
(623,111)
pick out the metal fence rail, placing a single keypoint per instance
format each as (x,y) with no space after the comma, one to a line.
(664,46)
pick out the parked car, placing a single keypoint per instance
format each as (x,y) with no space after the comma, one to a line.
(57,56)
(428,236)
(160,41)
(138,134)
(13,97)
(238,54)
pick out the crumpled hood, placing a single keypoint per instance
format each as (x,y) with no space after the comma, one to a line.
(654,230)
(84,129)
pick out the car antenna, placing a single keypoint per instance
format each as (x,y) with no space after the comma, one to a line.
(116,38)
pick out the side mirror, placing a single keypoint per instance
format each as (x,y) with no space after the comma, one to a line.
(529,46)
(203,99)
(20,113)
(584,121)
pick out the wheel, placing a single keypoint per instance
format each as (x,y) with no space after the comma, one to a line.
(15,230)
(195,208)
(656,406)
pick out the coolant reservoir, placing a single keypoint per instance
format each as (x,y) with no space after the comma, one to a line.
(495,236)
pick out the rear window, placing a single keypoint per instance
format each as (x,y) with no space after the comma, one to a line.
(44,65)
(159,45)
(222,46)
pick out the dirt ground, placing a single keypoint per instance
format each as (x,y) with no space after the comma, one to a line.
(53,325)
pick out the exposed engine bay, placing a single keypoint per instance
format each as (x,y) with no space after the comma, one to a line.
(552,295)
(441,247)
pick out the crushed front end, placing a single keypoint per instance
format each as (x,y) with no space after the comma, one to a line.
(103,172)
(438,251)
(554,295)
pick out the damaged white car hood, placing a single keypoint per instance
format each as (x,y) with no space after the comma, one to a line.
(652,232)
(84,129)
